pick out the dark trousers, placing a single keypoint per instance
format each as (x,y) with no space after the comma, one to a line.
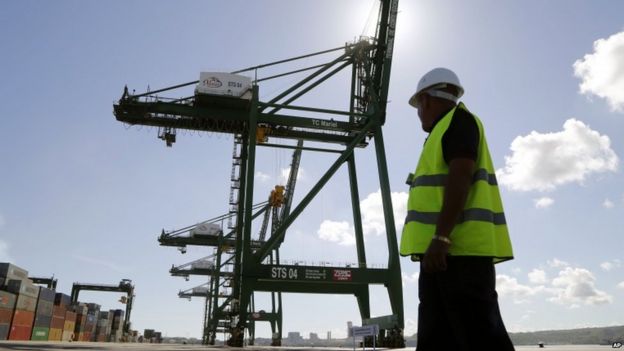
(458,308)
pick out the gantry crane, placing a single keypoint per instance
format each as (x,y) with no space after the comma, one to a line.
(253,123)
(50,283)
(124,286)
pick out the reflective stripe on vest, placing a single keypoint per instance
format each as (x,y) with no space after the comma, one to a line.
(440,179)
(481,229)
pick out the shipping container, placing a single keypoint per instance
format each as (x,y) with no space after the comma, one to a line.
(6,316)
(20,332)
(26,303)
(59,311)
(57,323)
(55,334)
(40,334)
(46,294)
(23,319)
(93,307)
(62,299)
(69,326)
(79,308)
(23,287)
(44,308)
(70,316)
(4,331)
(43,321)
(7,300)
(10,271)
(67,335)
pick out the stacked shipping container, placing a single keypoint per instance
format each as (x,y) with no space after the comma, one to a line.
(26,292)
(57,325)
(7,306)
(81,321)
(117,326)
(43,315)
(70,326)
(30,312)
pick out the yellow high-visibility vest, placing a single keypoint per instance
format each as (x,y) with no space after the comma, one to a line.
(481,229)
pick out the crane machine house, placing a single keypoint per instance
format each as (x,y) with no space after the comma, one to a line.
(220,83)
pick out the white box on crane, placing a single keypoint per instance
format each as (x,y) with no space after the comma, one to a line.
(206,229)
(225,84)
(202,264)
(200,290)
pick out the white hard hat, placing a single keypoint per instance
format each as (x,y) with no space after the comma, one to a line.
(437,78)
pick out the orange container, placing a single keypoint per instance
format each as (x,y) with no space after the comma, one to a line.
(6,315)
(70,316)
(57,323)
(23,319)
(59,311)
(20,333)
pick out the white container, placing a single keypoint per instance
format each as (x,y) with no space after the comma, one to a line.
(203,264)
(206,229)
(220,83)
(200,290)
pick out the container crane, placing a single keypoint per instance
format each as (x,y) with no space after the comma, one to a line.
(50,283)
(124,286)
(253,123)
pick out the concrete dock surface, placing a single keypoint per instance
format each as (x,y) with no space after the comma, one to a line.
(94,346)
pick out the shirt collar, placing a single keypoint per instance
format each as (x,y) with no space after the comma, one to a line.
(435,122)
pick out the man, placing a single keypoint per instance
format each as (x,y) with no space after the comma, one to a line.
(455,224)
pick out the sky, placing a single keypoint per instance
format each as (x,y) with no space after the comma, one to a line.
(84,197)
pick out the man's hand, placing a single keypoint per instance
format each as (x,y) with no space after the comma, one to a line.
(435,257)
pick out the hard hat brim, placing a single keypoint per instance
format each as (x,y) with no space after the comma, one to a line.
(413,101)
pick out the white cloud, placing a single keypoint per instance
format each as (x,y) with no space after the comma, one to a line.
(285,172)
(411,327)
(606,266)
(608,204)
(621,285)
(410,278)
(338,232)
(373,222)
(556,263)
(575,286)
(509,286)
(262,177)
(544,161)
(544,202)
(516,270)
(602,72)
(537,276)
(373,215)
(609,265)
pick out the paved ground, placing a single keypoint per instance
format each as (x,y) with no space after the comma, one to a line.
(94,346)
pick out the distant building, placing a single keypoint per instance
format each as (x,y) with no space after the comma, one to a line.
(314,337)
(329,335)
(294,336)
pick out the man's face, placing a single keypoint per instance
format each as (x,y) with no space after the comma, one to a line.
(423,115)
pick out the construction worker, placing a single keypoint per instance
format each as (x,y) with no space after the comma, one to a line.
(455,225)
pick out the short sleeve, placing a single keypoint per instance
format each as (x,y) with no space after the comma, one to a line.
(461,139)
